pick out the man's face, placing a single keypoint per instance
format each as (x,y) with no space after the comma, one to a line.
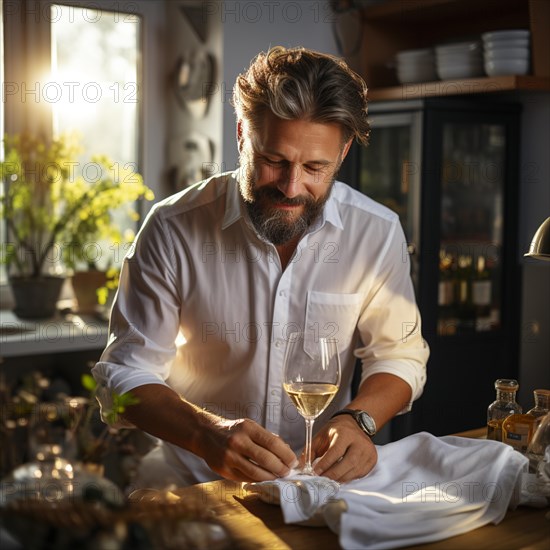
(287,171)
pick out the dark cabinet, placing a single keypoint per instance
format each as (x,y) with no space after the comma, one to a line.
(449,167)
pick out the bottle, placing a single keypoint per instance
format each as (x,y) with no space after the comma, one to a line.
(445,296)
(464,294)
(542,405)
(481,295)
(504,405)
(539,443)
(518,429)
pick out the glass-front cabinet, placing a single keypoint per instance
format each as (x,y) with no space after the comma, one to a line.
(471,227)
(449,168)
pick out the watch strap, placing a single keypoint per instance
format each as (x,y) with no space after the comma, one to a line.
(357,414)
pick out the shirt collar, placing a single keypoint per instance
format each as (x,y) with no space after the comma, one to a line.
(234,207)
(233,203)
(331,213)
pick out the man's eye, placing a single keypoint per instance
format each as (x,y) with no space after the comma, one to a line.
(314,169)
(272,162)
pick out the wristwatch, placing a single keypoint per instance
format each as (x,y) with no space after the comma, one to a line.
(364,420)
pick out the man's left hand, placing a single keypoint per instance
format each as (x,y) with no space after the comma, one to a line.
(343,450)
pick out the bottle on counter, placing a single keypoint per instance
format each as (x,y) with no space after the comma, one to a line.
(542,405)
(518,429)
(538,445)
(504,405)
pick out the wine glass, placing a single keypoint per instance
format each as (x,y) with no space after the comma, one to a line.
(311,379)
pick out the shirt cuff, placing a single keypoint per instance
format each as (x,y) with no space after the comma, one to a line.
(413,374)
(115,379)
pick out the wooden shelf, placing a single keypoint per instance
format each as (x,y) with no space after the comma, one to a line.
(478,85)
(426,10)
(397,25)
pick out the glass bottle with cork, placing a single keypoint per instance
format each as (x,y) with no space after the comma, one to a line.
(542,405)
(518,429)
(504,405)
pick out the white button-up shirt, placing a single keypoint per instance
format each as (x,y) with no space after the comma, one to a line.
(205,307)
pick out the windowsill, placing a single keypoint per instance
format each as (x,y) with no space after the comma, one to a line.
(66,333)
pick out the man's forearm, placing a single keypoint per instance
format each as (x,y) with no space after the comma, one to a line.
(238,449)
(382,395)
(161,412)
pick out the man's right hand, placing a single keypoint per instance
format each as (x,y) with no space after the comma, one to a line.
(240,450)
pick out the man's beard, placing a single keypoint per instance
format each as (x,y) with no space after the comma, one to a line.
(278,225)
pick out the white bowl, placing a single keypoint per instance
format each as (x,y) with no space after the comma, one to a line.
(503,67)
(459,58)
(420,64)
(511,43)
(449,72)
(407,76)
(426,53)
(507,53)
(458,47)
(495,36)
(472,66)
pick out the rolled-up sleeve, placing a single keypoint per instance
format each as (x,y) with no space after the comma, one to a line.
(145,316)
(390,325)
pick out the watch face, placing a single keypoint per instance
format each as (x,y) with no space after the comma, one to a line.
(368,423)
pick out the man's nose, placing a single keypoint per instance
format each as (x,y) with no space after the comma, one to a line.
(291,184)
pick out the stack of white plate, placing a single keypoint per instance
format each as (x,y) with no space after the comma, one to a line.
(459,60)
(506,52)
(415,66)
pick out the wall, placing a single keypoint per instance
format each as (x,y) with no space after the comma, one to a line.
(194,123)
(252,27)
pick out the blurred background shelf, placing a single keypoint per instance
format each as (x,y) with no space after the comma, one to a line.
(440,88)
(398,25)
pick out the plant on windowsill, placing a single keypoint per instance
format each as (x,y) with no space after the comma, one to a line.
(94,239)
(52,214)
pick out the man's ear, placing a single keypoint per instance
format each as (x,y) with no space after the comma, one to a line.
(346,148)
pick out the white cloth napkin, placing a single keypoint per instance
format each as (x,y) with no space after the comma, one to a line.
(423,489)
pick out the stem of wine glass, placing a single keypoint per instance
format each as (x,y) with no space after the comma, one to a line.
(308,469)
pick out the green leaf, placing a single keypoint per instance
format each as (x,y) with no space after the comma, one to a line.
(88,382)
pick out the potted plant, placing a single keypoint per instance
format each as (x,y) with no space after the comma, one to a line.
(51,213)
(95,242)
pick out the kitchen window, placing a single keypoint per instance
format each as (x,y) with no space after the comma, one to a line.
(75,68)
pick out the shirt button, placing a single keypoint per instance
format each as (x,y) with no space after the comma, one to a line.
(282,292)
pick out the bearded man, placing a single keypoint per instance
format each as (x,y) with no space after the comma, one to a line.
(224,271)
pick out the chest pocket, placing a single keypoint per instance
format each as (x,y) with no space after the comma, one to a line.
(333,315)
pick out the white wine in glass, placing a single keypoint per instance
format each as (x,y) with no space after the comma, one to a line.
(311,379)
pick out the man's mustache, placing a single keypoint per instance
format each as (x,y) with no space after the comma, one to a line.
(275,195)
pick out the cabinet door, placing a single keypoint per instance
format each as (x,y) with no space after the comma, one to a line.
(388,171)
(469,277)
(449,167)
(470,295)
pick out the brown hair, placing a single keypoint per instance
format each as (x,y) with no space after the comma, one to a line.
(298,83)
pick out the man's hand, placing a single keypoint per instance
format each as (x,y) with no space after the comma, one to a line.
(240,450)
(244,451)
(345,451)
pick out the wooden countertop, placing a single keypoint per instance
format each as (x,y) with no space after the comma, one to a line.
(253,524)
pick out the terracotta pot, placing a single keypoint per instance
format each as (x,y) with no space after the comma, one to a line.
(36,298)
(85,285)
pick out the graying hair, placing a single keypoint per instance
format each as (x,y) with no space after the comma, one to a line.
(298,83)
